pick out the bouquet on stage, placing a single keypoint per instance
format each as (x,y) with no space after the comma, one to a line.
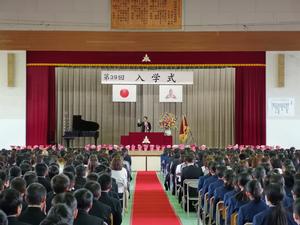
(167,122)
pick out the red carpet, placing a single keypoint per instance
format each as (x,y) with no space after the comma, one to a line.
(150,204)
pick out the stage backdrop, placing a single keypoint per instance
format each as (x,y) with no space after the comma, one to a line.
(209,105)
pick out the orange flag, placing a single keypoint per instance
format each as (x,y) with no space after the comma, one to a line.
(184,130)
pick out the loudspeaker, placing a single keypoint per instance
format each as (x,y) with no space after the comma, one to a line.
(281,69)
(10,69)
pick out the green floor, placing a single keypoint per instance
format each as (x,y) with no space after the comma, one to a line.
(185,219)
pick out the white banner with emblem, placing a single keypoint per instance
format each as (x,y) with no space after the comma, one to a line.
(146,77)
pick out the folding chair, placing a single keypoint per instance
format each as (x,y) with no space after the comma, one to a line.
(205,209)
(233,219)
(199,207)
(219,210)
(191,183)
(211,210)
(124,197)
(111,219)
(225,211)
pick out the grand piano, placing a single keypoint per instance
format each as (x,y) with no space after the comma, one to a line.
(81,128)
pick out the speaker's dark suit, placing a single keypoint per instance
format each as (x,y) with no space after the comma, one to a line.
(83,218)
(32,215)
(101,210)
(115,206)
(143,127)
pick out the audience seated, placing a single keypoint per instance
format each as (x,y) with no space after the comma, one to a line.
(115,205)
(36,200)
(99,209)
(11,204)
(84,203)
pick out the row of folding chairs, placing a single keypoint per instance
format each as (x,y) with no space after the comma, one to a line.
(205,212)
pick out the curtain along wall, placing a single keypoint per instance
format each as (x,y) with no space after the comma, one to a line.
(208,103)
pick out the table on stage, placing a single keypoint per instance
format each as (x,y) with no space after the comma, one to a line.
(137,138)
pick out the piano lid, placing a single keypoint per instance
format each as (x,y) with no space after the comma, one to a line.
(83,125)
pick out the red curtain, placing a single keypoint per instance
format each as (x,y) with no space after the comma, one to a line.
(40,105)
(250,106)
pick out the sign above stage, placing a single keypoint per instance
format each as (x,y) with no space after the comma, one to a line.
(147,77)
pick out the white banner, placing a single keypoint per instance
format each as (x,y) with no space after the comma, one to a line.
(281,107)
(124,93)
(170,93)
(147,77)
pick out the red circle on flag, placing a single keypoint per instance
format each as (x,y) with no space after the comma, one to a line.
(124,93)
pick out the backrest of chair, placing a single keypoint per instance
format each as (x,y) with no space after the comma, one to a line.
(233,219)
(248,224)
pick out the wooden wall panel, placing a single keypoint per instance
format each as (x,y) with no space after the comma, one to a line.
(149,41)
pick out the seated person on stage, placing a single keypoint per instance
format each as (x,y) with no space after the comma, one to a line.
(256,205)
(11,204)
(84,203)
(115,205)
(36,199)
(145,125)
(99,209)
(275,213)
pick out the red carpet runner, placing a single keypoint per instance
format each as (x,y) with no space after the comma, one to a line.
(150,204)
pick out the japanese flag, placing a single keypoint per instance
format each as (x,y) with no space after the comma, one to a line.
(124,93)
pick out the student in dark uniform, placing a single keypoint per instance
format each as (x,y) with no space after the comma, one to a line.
(99,209)
(84,203)
(256,204)
(41,170)
(275,214)
(11,204)
(226,187)
(60,184)
(209,180)
(115,205)
(36,199)
(239,199)
(219,182)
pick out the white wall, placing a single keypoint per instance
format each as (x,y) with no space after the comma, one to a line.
(284,131)
(13,102)
(199,15)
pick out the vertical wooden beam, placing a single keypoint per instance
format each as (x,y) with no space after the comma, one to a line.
(281,70)
(10,69)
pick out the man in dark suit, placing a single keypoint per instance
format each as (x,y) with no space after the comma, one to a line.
(99,209)
(84,203)
(190,171)
(60,184)
(145,125)
(36,199)
(41,170)
(115,205)
(11,204)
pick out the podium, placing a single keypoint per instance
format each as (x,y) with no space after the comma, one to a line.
(137,138)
